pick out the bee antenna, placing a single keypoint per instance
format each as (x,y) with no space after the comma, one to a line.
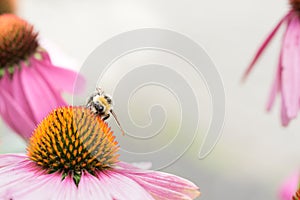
(116,119)
(100,90)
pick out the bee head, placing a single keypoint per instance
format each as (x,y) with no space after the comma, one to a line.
(102,103)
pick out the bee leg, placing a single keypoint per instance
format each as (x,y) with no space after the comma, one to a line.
(88,102)
(106,117)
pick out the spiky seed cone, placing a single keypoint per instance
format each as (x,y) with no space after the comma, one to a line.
(17,40)
(72,140)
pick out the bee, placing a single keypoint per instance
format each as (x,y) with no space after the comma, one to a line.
(101,104)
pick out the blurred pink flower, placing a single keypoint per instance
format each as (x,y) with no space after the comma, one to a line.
(72,155)
(289,187)
(31,85)
(287,80)
(7,6)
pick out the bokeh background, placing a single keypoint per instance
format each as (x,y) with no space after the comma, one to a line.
(255,153)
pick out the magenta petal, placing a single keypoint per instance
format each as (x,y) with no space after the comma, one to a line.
(121,187)
(9,159)
(289,187)
(40,96)
(15,116)
(275,87)
(18,93)
(23,180)
(4,114)
(264,45)
(6,83)
(67,190)
(90,188)
(291,67)
(285,120)
(62,79)
(161,185)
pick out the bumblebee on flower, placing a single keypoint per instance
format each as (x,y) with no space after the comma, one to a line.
(73,154)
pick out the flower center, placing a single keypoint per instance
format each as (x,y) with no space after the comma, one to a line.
(71,140)
(295,5)
(17,40)
(7,6)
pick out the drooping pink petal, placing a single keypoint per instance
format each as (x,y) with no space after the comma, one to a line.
(289,187)
(27,97)
(18,93)
(276,85)
(161,185)
(285,120)
(62,79)
(5,82)
(40,96)
(15,116)
(290,77)
(264,45)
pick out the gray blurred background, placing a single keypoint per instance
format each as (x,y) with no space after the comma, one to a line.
(254,153)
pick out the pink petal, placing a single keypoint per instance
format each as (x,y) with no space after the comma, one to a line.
(89,188)
(291,68)
(39,94)
(67,190)
(10,159)
(275,87)
(285,120)
(264,45)
(121,187)
(15,116)
(18,93)
(6,83)
(23,180)
(289,187)
(161,185)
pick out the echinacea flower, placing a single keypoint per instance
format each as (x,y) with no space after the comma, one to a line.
(31,85)
(287,80)
(73,154)
(289,187)
(7,6)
